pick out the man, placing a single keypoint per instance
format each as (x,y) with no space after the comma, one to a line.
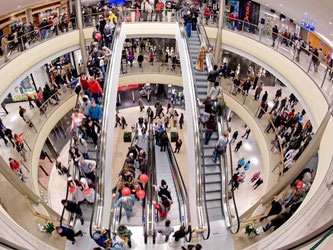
(68,233)
(81,145)
(4,48)
(95,89)
(84,107)
(126,202)
(159,10)
(9,134)
(275,34)
(212,78)
(74,208)
(15,166)
(247,133)
(97,55)
(88,168)
(140,60)
(95,112)
(165,230)
(188,23)
(84,81)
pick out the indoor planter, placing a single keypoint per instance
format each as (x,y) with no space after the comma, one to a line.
(127,136)
(250,230)
(174,136)
(49,228)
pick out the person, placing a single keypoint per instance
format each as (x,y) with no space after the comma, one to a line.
(31,106)
(213,74)
(181,121)
(247,132)
(123,122)
(84,107)
(140,60)
(127,203)
(258,92)
(238,146)
(140,103)
(220,146)
(81,146)
(163,189)
(240,163)
(220,106)
(201,58)
(15,166)
(178,145)
(8,132)
(210,128)
(165,230)
(87,168)
(188,23)
(125,234)
(275,34)
(101,238)
(2,136)
(276,208)
(144,134)
(164,141)
(255,176)
(163,206)
(159,10)
(179,233)
(263,110)
(77,122)
(247,165)
(74,208)
(264,97)
(117,120)
(68,233)
(234,136)
(95,89)
(214,92)
(4,48)
(96,113)
(258,183)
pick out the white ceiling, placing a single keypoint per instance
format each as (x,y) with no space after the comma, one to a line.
(320,11)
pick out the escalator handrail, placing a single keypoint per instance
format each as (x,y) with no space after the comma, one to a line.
(201,194)
(209,60)
(184,211)
(99,182)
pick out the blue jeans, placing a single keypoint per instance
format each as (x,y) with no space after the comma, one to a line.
(43,34)
(95,96)
(216,154)
(128,212)
(87,92)
(103,70)
(188,29)
(208,135)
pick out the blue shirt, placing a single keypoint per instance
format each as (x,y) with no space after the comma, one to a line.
(95,114)
(247,166)
(241,162)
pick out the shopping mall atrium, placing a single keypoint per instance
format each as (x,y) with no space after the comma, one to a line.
(166,124)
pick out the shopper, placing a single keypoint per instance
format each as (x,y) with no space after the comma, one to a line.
(234,136)
(200,65)
(247,133)
(181,121)
(163,206)
(188,23)
(125,234)
(127,203)
(163,189)
(210,128)
(74,208)
(213,74)
(68,233)
(240,163)
(255,176)
(95,89)
(220,146)
(178,145)
(179,233)
(15,166)
(165,230)
(238,146)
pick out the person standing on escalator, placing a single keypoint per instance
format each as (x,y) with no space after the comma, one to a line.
(188,23)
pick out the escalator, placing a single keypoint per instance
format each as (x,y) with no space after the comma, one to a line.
(167,169)
(212,171)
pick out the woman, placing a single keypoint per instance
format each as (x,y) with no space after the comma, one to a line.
(201,58)
(91,131)
(164,190)
(163,206)
(77,121)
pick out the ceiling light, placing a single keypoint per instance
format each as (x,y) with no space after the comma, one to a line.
(330,23)
(280,5)
(305,13)
(267,4)
(18,6)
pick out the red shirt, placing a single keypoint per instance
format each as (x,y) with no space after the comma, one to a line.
(40,97)
(15,165)
(84,83)
(94,87)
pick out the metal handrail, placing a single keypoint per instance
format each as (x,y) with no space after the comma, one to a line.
(200,171)
(183,203)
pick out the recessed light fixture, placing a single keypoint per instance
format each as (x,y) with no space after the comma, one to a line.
(330,23)
(305,13)
(280,5)
(267,4)
(18,6)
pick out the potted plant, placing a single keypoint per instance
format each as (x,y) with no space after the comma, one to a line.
(49,228)
(174,136)
(127,136)
(250,230)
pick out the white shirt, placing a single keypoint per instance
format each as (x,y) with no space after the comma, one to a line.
(214,92)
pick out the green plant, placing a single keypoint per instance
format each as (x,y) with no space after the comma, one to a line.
(127,134)
(249,229)
(49,228)
(174,134)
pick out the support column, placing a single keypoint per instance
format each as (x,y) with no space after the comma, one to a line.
(293,172)
(218,42)
(28,14)
(80,27)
